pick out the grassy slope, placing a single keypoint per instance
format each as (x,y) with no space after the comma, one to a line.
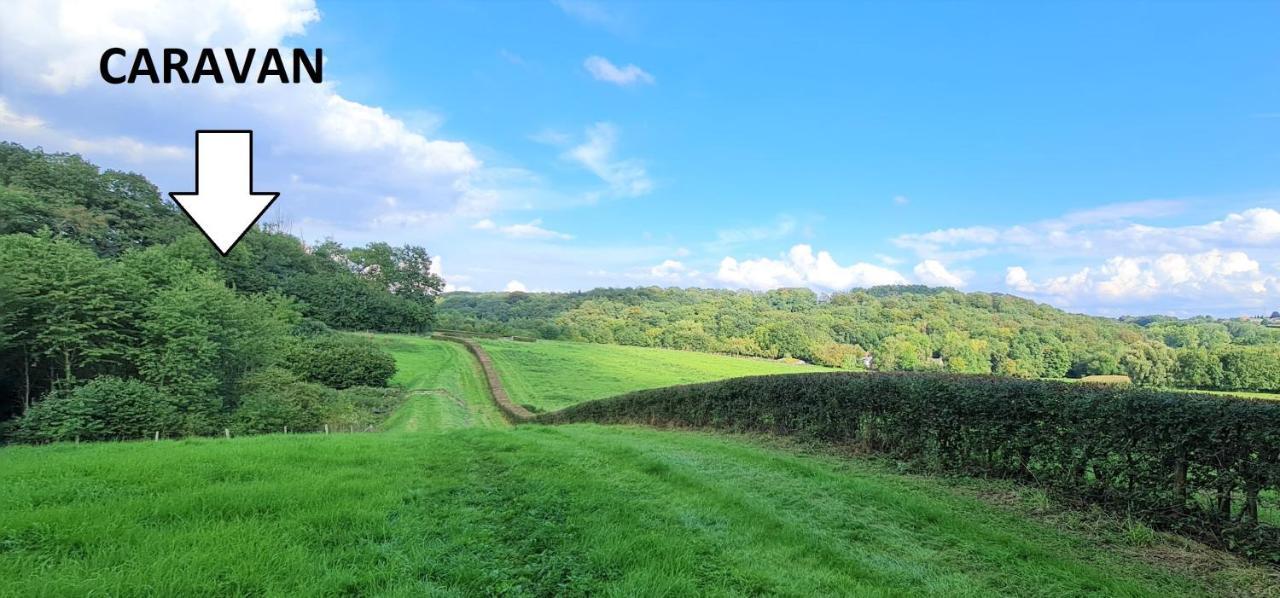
(551,374)
(535,510)
(447,390)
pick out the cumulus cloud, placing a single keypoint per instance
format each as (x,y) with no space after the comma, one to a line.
(625,177)
(801,267)
(1102,231)
(36,131)
(450,280)
(603,70)
(933,273)
(515,286)
(672,271)
(1207,280)
(326,154)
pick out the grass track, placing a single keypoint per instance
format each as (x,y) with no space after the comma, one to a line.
(530,511)
(446,388)
(550,375)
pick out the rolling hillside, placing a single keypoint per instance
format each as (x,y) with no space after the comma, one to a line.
(549,375)
(451,501)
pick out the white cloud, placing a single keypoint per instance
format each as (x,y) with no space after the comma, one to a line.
(515,286)
(485,224)
(801,267)
(901,200)
(933,273)
(603,70)
(532,230)
(592,13)
(625,177)
(56,45)
(36,131)
(1102,231)
(1199,281)
(673,271)
(437,268)
(727,239)
(325,153)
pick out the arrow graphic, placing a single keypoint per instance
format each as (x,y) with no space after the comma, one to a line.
(224,205)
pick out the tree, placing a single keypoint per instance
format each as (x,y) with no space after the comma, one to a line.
(105,408)
(342,361)
(403,271)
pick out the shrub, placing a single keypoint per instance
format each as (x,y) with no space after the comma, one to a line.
(1190,462)
(273,399)
(343,361)
(105,408)
(360,407)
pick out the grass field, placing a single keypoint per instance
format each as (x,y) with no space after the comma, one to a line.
(446,389)
(531,511)
(452,501)
(549,375)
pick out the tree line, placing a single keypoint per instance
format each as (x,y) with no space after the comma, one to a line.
(896,328)
(118,319)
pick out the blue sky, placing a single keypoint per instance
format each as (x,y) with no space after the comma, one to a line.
(1104,157)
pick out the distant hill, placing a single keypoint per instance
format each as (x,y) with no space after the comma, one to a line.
(892,328)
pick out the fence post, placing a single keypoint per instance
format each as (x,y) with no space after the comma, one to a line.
(157,436)
(326,428)
(286,429)
(226,432)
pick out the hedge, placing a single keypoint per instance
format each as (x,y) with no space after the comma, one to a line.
(1198,464)
(513,412)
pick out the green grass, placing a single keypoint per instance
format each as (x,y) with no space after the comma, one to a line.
(550,375)
(446,388)
(1271,396)
(530,511)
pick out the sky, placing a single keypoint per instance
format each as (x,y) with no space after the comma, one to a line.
(1106,158)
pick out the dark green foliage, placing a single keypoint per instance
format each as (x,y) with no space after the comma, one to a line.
(1197,463)
(109,211)
(352,303)
(342,361)
(274,400)
(898,328)
(100,277)
(105,408)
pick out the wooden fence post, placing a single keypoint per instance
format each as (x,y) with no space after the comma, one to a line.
(226,432)
(326,428)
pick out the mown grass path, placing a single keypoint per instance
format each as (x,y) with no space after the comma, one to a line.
(534,510)
(445,387)
(549,375)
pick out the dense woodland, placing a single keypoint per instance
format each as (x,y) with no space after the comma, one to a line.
(119,320)
(906,328)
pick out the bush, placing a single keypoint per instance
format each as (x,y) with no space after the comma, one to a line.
(1190,462)
(273,399)
(105,408)
(342,361)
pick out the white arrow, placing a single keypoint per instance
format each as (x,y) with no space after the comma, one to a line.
(224,205)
